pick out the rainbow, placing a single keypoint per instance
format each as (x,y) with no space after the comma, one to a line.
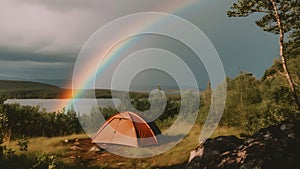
(85,79)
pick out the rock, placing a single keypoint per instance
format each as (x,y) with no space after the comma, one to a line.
(198,152)
(272,147)
(77,143)
(283,127)
(211,149)
(73,157)
(95,149)
(75,148)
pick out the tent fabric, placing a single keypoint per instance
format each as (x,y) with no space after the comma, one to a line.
(127,128)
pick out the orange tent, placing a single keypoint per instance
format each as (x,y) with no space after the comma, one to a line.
(128,129)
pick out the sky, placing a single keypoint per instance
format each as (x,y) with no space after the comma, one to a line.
(41,39)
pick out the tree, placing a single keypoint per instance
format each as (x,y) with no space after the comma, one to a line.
(3,128)
(279,17)
(243,99)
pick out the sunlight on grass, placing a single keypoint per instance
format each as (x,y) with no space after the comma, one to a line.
(47,145)
(178,155)
(227,131)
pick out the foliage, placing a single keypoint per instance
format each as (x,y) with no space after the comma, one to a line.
(91,122)
(6,153)
(16,120)
(23,143)
(3,128)
(46,161)
(278,17)
(273,101)
(28,121)
(288,12)
(252,104)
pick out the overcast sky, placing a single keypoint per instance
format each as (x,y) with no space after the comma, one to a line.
(41,39)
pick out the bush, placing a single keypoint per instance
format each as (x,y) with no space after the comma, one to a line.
(28,121)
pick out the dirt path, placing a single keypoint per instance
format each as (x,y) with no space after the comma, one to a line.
(86,154)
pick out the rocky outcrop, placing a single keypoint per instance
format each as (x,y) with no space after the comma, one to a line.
(273,147)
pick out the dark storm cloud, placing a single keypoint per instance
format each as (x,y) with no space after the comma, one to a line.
(104,6)
(55,30)
(27,55)
(60,5)
(45,36)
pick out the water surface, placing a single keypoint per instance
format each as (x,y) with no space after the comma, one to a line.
(54,105)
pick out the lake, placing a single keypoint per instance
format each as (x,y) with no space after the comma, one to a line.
(54,105)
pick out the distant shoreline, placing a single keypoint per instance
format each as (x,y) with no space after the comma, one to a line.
(13,89)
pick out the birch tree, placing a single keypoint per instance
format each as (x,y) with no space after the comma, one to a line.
(279,17)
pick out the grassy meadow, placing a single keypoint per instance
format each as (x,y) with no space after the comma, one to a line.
(177,157)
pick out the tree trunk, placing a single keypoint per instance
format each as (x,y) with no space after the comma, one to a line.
(282,57)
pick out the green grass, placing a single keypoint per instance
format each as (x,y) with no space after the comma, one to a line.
(47,145)
(227,131)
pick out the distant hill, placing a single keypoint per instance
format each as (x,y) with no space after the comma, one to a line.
(15,89)
(63,83)
(30,90)
(19,85)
